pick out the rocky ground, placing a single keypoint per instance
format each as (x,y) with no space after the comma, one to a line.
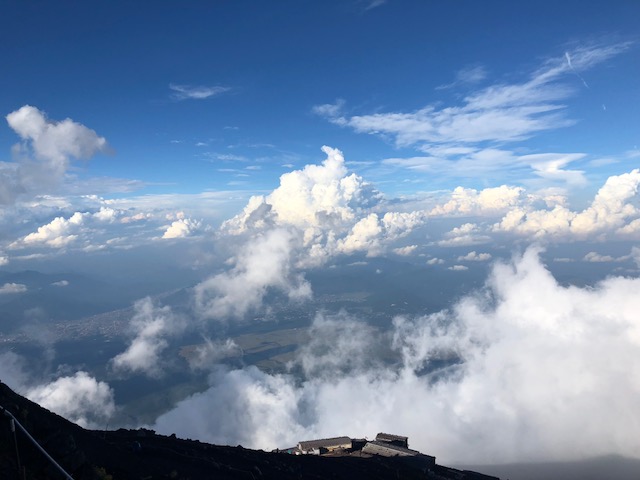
(143,454)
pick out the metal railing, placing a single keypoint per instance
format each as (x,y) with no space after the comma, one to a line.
(13,422)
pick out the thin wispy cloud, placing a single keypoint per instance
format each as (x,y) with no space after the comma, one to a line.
(371,4)
(10,288)
(466,77)
(190,92)
(498,113)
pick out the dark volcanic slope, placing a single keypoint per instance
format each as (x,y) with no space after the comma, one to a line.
(142,454)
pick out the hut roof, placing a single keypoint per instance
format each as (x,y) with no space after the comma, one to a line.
(325,442)
(389,437)
(388,450)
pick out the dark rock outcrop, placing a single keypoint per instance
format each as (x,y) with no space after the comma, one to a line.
(143,454)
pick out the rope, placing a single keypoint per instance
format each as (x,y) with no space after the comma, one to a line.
(14,422)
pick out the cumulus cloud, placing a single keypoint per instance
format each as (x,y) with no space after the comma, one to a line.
(11,288)
(57,233)
(595,257)
(61,231)
(43,156)
(509,373)
(474,257)
(458,268)
(315,195)
(314,214)
(610,211)
(332,209)
(151,326)
(490,201)
(613,213)
(405,251)
(464,235)
(79,398)
(182,227)
(371,233)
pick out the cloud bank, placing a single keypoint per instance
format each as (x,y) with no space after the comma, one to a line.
(510,373)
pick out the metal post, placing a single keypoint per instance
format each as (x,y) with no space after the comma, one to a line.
(14,422)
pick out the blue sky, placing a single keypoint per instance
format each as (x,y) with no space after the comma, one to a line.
(120,69)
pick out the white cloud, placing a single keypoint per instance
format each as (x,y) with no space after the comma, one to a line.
(507,374)
(317,194)
(206,356)
(264,263)
(460,138)
(61,283)
(465,235)
(57,233)
(550,166)
(182,227)
(455,161)
(435,261)
(371,4)
(405,251)
(458,268)
(631,229)
(331,110)
(595,257)
(490,201)
(498,113)
(79,398)
(609,212)
(44,155)
(11,288)
(332,210)
(62,232)
(3,260)
(55,141)
(150,325)
(467,76)
(186,92)
(474,257)
(315,213)
(371,233)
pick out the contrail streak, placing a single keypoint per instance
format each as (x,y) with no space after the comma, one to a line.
(568,58)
